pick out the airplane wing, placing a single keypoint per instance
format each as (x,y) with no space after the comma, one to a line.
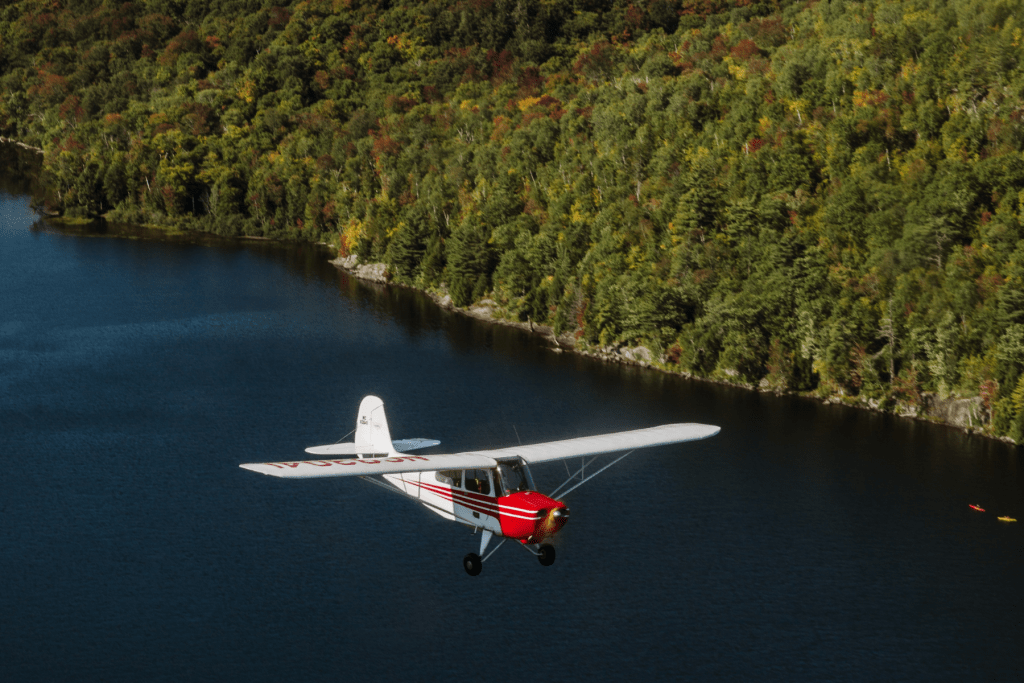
(535,453)
(607,443)
(356,467)
(339,449)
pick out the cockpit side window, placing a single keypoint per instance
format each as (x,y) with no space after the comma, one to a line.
(477,481)
(451,477)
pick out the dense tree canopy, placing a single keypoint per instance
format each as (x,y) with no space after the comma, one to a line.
(810,196)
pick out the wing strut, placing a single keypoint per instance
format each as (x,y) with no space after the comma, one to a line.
(585,479)
(577,473)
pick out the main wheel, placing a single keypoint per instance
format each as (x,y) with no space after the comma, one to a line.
(473,565)
(547,555)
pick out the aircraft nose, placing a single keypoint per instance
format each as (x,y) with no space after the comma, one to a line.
(552,519)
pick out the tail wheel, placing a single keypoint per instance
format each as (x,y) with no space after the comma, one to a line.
(472,564)
(546,555)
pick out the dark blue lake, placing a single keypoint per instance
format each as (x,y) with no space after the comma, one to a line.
(805,542)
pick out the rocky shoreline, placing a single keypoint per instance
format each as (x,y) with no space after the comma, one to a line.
(967,414)
(484,309)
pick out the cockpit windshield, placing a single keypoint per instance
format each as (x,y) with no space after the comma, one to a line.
(514,477)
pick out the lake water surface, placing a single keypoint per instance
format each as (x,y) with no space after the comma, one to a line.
(805,542)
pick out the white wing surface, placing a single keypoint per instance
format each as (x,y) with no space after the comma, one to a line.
(339,449)
(535,453)
(607,443)
(355,467)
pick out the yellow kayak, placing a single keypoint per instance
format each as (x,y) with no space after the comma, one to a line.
(1007,519)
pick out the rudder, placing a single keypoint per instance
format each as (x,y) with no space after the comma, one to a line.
(372,434)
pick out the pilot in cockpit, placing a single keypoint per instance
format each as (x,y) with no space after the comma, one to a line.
(477,481)
(514,477)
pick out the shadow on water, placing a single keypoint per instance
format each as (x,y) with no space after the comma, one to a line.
(19,172)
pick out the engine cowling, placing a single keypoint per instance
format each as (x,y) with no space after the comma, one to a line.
(530,517)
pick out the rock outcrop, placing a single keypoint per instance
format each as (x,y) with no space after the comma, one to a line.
(374,272)
(966,413)
(483,309)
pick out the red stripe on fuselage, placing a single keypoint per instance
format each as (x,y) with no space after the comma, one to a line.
(461,497)
(484,504)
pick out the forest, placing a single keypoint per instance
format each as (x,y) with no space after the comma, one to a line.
(820,197)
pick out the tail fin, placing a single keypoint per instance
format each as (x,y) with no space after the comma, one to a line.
(372,435)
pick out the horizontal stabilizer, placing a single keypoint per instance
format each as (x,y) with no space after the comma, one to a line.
(608,443)
(356,467)
(400,446)
(406,445)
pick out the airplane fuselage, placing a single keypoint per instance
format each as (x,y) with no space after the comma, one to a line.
(526,516)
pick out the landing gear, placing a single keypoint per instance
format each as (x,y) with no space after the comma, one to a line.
(546,555)
(472,564)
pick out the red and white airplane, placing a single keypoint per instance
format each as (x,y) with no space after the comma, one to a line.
(490,491)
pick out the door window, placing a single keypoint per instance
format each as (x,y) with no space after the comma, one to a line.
(450,477)
(478,481)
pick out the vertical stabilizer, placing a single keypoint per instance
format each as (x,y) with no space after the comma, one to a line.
(372,434)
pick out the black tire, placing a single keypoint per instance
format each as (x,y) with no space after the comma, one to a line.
(547,555)
(472,564)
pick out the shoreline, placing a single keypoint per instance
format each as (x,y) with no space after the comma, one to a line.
(964,414)
(958,413)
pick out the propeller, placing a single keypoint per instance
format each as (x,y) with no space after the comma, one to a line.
(553,519)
